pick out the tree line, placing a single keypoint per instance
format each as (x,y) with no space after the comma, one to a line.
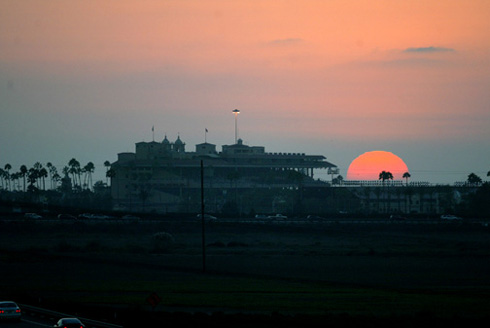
(472,179)
(34,178)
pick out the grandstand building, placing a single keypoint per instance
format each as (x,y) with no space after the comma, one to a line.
(164,177)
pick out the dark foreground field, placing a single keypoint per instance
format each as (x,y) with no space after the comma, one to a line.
(369,274)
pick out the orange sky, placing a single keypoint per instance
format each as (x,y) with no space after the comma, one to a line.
(348,76)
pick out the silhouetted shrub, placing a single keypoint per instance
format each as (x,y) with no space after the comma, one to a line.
(162,242)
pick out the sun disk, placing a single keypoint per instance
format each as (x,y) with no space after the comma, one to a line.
(369,165)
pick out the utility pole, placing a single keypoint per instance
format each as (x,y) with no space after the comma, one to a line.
(202,220)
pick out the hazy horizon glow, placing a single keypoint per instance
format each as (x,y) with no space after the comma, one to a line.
(88,79)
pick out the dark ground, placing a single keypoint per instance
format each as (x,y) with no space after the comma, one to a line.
(371,274)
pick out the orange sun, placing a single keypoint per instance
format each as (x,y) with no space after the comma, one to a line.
(369,165)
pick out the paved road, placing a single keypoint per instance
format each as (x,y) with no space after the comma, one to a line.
(288,221)
(28,322)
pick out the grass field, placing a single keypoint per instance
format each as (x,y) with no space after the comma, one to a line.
(380,271)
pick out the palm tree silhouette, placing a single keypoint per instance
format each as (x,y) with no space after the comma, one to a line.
(23,172)
(50,171)
(32,178)
(53,175)
(37,167)
(14,177)
(75,171)
(66,183)
(406,175)
(385,175)
(43,173)
(7,175)
(107,165)
(56,178)
(89,169)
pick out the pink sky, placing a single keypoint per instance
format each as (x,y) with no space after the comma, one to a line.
(336,78)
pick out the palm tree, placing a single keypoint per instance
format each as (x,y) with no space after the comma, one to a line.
(43,173)
(75,170)
(23,172)
(11,181)
(15,180)
(385,175)
(88,169)
(406,175)
(66,184)
(32,178)
(7,175)
(38,166)
(53,172)
(55,178)
(50,171)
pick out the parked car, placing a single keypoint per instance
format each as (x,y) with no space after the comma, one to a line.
(397,218)
(69,323)
(89,216)
(66,217)
(10,311)
(33,216)
(315,218)
(261,216)
(207,217)
(450,217)
(278,216)
(102,217)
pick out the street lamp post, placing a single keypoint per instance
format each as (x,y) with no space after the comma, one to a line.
(236,112)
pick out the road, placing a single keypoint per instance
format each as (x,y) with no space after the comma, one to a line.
(266,221)
(33,317)
(29,322)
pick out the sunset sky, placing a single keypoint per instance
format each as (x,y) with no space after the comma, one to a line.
(89,79)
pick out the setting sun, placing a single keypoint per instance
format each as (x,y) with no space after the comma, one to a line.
(368,166)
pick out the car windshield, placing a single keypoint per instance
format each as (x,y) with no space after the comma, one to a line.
(8,305)
(71,321)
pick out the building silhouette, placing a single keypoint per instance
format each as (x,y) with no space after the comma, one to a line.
(164,177)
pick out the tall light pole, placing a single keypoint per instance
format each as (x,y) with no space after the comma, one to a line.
(236,112)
